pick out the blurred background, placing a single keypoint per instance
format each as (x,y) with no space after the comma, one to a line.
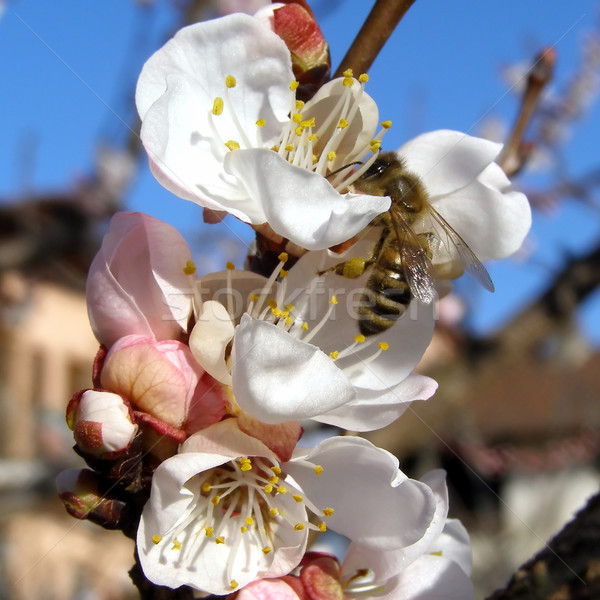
(516,419)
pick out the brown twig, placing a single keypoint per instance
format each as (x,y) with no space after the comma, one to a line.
(376,30)
(515,151)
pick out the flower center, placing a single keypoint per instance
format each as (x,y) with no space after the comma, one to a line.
(245,502)
(306,141)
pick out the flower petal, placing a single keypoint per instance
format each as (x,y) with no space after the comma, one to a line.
(209,339)
(375,503)
(376,409)
(277,378)
(448,160)
(175,96)
(300,205)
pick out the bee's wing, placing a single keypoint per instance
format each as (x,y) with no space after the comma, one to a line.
(417,268)
(470,262)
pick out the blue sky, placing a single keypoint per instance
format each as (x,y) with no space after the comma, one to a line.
(68,71)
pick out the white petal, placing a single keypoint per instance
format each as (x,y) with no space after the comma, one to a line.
(277,378)
(491,218)
(375,504)
(300,205)
(175,95)
(209,338)
(448,160)
(454,544)
(375,409)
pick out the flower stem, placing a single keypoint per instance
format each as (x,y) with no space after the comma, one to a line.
(376,30)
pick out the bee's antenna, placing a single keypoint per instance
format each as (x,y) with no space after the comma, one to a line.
(356,162)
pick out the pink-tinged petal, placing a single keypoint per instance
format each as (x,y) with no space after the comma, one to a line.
(448,160)
(300,205)
(268,589)
(209,340)
(207,406)
(277,378)
(375,503)
(136,283)
(156,377)
(281,438)
(374,409)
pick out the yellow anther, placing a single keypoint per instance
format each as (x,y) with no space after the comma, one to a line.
(243,529)
(312,137)
(297,117)
(246,466)
(216,500)
(299,131)
(304,326)
(253,297)
(289,321)
(267,549)
(348,73)
(289,307)
(438,553)
(273,512)
(230,266)
(176,544)
(276,470)
(299,526)
(281,489)
(328,511)
(283,273)
(322,527)
(230,81)
(233,583)
(363,78)
(333,300)
(383,346)
(283,257)
(318,470)
(348,81)
(315,159)
(217,108)
(232,145)
(299,104)
(249,521)
(274,479)
(294,85)
(359,339)
(297,497)
(268,488)
(386,124)
(190,267)
(374,145)
(275,148)
(334,354)
(209,531)
(261,123)
(156,539)
(289,148)
(276,312)
(331,155)
(219,540)
(271,303)
(342,124)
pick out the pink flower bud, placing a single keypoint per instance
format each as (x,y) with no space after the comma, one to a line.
(139,282)
(102,423)
(164,380)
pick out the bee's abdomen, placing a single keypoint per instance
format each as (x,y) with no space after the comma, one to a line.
(387,294)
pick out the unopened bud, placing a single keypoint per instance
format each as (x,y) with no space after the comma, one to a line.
(79,490)
(101,423)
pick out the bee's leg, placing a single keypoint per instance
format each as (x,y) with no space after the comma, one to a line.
(354,267)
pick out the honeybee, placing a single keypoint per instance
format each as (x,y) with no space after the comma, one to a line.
(401,260)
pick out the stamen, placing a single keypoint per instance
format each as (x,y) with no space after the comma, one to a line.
(190,267)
